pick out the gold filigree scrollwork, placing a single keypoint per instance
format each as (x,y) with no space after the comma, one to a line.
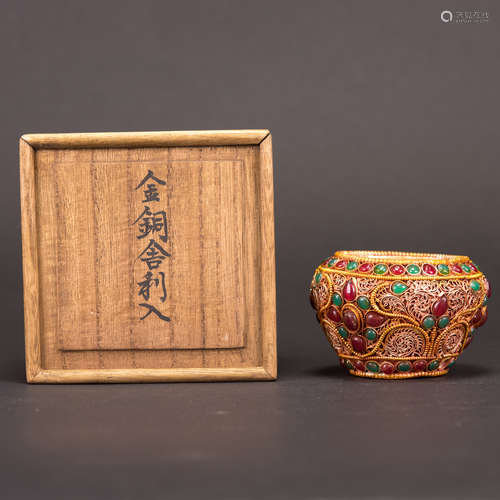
(334,338)
(405,341)
(451,340)
(374,299)
(321,293)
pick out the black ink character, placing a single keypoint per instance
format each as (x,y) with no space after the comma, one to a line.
(152,309)
(152,223)
(151,193)
(153,255)
(150,281)
(151,176)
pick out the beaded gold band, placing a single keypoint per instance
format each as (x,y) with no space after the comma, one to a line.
(401,257)
(398,376)
(391,277)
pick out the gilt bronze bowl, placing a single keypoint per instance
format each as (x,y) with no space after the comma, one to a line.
(399,315)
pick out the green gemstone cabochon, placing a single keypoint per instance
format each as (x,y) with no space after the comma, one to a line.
(380,269)
(363,302)
(433,365)
(443,269)
(343,332)
(352,265)
(398,288)
(370,334)
(475,285)
(428,322)
(443,321)
(413,269)
(337,299)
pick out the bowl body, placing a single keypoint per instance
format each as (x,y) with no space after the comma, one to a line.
(399,315)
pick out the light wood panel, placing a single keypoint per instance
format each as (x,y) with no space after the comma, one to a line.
(84,262)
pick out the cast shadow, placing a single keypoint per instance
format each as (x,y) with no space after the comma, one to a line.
(469,370)
(329,371)
(458,372)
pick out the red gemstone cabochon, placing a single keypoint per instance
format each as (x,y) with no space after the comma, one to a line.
(477,317)
(350,320)
(359,365)
(358,343)
(484,317)
(365,268)
(397,269)
(333,314)
(429,269)
(420,366)
(349,291)
(440,306)
(387,368)
(374,319)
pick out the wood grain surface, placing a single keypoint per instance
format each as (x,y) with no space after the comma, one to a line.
(146,139)
(148,258)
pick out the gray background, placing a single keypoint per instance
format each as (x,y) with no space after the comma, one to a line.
(386,136)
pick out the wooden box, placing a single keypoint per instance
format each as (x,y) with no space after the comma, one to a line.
(148,256)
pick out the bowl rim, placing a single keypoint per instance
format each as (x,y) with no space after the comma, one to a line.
(400,256)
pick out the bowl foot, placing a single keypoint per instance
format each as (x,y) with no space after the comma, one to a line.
(398,376)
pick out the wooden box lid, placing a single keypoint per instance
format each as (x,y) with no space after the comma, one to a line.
(148,256)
